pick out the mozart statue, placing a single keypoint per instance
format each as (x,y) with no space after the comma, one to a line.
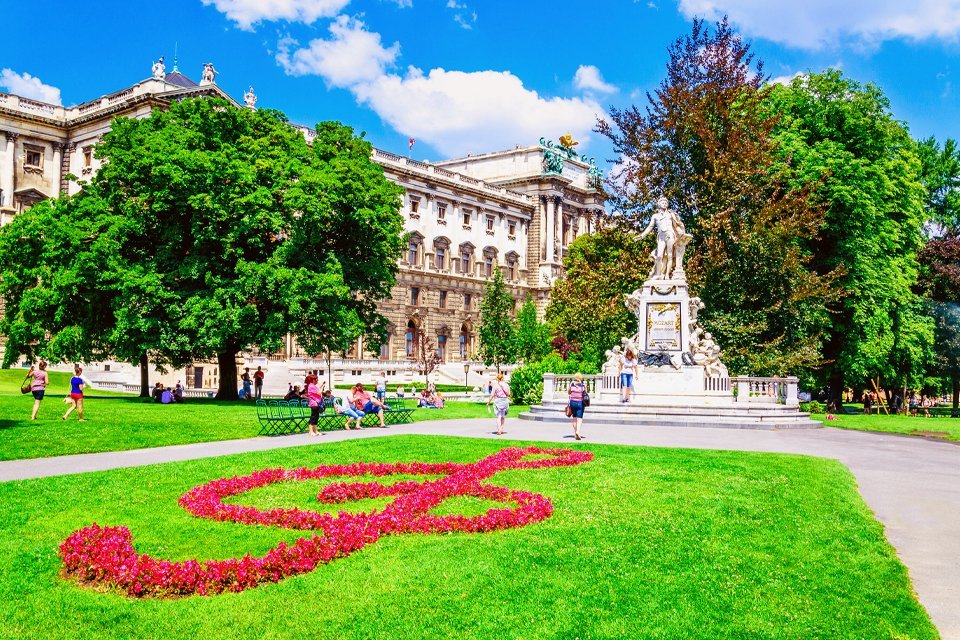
(672,240)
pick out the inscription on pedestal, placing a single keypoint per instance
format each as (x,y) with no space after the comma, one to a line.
(663,327)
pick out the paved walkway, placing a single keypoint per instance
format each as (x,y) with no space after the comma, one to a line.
(912,485)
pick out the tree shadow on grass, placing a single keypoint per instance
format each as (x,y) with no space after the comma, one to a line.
(8,424)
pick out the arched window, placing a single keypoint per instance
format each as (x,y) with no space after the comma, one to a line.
(411,339)
(442,348)
(489,259)
(415,249)
(513,266)
(464,342)
(385,345)
(466,258)
(441,249)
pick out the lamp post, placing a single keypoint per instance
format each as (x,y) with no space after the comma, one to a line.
(466,372)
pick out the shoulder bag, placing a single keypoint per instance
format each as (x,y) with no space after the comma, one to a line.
(26,385)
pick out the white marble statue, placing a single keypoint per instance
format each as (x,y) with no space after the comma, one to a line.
(707,355)
(159,71)
(672,240)
(250,99)
(209,74)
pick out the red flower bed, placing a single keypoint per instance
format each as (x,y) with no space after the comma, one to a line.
(105,555)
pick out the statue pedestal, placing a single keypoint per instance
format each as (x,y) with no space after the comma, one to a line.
(662,308)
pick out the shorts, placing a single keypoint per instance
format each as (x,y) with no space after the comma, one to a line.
(626,380)
(500,407)
(38,394)
(576,409)
(371,408)
(353,413)
(76,396)
(381,394)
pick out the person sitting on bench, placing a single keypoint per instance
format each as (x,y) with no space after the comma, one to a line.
(345,409)
(363,401)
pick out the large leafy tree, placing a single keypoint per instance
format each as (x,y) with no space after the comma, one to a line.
(231,231)
(706,143)
(940,282)
(587,305)
(841,136)
(496,329)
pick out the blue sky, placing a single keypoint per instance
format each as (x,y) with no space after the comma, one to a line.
(466,76)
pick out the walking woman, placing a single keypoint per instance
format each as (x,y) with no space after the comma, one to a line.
(500,396)
(628,369)
(576,391)
(76,395)
(38,385)
(314,401)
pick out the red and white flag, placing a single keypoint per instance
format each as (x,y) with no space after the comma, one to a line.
(411,143)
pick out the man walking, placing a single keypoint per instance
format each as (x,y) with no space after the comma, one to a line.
(258,382)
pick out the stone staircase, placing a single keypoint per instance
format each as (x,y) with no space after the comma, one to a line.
(732,416)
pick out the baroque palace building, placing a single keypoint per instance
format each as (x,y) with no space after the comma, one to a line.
(516,210)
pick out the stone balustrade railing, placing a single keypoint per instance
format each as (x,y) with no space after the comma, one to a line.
(767,390)
(555,385)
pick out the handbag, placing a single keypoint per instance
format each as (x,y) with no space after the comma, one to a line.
(25,386)
(586,399)
(568,411)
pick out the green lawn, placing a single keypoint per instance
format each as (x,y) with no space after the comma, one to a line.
(643,543)
(946,428)
(118,422)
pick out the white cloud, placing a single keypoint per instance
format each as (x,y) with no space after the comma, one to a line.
(352,55)
(785,79)
(588,78)
(456,112)
(464,16)
(817,23)
(247,13)
(28,86)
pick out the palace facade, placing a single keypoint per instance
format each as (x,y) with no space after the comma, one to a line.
(516,210)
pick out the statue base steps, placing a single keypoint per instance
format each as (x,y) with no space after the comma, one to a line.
(673,412)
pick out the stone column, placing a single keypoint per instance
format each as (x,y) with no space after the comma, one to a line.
(65,167)
(551,225)
(8,169)
(557,228)
(56,169)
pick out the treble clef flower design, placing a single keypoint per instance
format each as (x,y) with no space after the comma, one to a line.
(105,556)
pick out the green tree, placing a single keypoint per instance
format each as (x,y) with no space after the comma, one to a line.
(706,143)
(496,330)
(532,337)
(940,174)
(840,136)
(587,305)
(231,231)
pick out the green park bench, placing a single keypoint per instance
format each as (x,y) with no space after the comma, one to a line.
(282,417)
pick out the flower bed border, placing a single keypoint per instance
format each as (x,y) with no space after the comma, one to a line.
(105,556)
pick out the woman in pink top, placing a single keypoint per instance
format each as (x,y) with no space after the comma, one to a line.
(500,396)
(576,391)
(314,400)
(38,386)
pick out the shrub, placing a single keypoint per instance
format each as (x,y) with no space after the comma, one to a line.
(526,382)
(813,407)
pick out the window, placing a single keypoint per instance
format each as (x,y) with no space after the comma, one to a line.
(489,223)
(511,271)
(466,218)
(464,261)
(464,342)
(411,339)
(413,253)
(488,266)
(414,205)
(87,156)
(443,299)
(441,258)
(441,212)
(442,348)
(467,301)
(512,228)
(414,295)
(32,157)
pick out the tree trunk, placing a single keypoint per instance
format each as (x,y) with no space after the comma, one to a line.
(330,371)
(144,376)
(835,393)
(956,396)
(227,362)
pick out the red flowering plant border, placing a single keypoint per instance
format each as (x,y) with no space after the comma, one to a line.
(105,556)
